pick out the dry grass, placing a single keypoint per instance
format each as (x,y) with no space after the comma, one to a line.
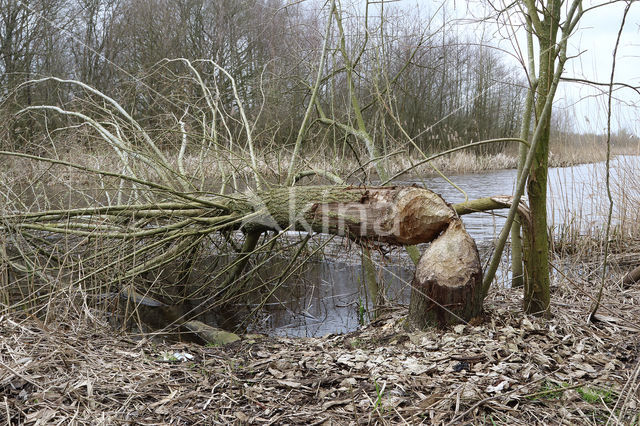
(273,166)
(571,149)
(511,369)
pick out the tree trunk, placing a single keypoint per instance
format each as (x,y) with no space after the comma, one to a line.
(517,260)
(448,281)
(391,215)
(536,286)
(447,287)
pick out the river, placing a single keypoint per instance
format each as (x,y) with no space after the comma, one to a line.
(329,296)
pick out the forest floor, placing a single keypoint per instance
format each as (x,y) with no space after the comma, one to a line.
(507,368)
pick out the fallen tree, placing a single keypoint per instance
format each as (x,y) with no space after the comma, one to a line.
(154,217)
(447,284)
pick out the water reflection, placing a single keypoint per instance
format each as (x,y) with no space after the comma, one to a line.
(326,298)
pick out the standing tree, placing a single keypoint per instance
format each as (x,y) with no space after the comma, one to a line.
(549,24)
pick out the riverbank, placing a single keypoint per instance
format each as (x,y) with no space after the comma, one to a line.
(272,166)
(508,369)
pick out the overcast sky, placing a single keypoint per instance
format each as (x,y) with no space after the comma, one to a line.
(593,41)
(597,37)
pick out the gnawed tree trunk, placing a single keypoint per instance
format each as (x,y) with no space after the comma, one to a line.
(447,287)
(391,215)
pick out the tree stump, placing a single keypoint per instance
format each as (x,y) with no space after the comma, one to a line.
(447,286)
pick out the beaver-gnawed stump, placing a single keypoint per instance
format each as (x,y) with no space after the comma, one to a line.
(447,286)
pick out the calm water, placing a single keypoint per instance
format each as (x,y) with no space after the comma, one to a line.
(576,192)
(328,296)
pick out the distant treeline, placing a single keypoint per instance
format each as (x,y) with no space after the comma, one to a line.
(413,77)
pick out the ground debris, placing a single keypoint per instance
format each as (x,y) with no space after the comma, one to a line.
(511,369)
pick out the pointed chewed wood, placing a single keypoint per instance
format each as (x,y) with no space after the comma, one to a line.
(447,287)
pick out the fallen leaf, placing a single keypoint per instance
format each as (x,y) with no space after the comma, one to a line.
(499,387)
(276,373)
(330,404)
(586,367)
(414,366)
(290,383)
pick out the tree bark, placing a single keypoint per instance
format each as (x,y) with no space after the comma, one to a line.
(391,215)
(447,287)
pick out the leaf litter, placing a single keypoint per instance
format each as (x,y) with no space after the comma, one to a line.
(507,369)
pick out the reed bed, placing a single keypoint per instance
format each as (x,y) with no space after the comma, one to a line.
(274,167)
(580,231)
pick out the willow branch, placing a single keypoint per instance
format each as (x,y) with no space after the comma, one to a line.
(314,93)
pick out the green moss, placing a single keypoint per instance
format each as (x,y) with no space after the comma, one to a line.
(549,390)
(594,395)
(597,395)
